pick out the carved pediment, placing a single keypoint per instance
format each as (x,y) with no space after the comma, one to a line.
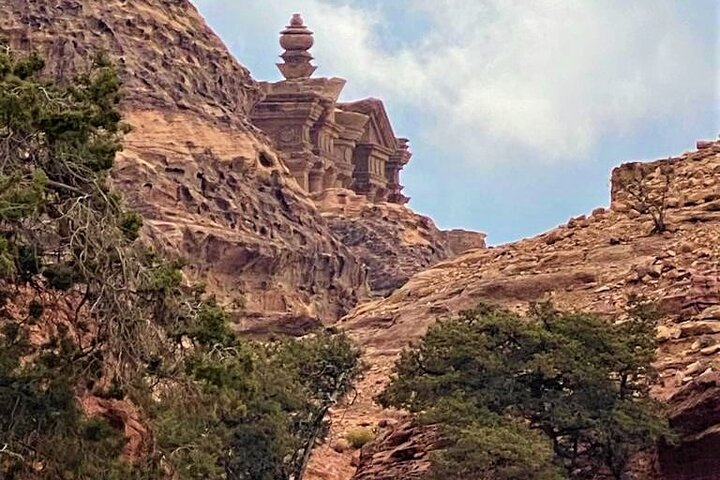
(379,130)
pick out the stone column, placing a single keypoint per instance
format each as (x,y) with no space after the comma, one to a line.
(315,180)
(353,126)
(330,178)
(397,162)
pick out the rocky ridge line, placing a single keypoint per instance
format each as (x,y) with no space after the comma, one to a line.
(592,263)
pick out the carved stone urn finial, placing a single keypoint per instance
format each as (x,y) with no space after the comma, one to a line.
(296,20)
(296,40)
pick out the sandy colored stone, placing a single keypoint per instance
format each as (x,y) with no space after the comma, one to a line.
(575,268)
(711,350)
(209,184)
(391,240)
(214,189)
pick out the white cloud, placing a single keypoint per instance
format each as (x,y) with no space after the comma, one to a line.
(494,76)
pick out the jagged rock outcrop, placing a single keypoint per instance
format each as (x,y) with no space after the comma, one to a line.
(169,57)
(206,180)
(212,189)
(392,240)
(591,263)
(696,414)
(459,241)
(122,414)
(210,185)
(403,451)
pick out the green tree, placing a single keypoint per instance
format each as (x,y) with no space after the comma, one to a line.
(578,380)
(251,410)
(59,226)
(217,405)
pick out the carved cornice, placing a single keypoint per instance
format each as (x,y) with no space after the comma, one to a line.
(379,120)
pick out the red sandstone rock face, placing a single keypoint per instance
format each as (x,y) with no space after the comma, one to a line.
(169,57)
(125,417)
(696,414)
(592,263)
(207,181)
(403,451)
(460,241)
(213,190)
(393,241)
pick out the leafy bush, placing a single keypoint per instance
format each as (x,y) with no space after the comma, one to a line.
(358,437)
(503,450)
(43,432)
(130,224)
(253,411)
(57,141)
(578,382)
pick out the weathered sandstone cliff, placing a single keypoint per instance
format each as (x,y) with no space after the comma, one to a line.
(210,184)
(591,263)
(212,189)
(207,181)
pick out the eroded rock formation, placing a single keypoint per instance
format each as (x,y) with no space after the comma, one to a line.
(207,181)
(392,240)
(169,57)
(222,193)
(211,185)
(402,451)
(591,263)
(296,220)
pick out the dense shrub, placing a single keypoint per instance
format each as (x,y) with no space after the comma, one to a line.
(572,387)
(249,410)
(358,437)
(56,219)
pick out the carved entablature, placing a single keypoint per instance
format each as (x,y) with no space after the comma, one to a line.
(327,144)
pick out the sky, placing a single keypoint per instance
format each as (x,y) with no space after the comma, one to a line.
(516,110)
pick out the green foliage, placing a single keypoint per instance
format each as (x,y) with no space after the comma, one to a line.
(41,427)
(163,279)
(579,382)
(327,362)
(130,224)
(217,406)
(211,326)
(60,276)
(58,219)
(358,437)
(502,451)
(57,143)
(248,410)
(50,201)
(21,197)
(7,258)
